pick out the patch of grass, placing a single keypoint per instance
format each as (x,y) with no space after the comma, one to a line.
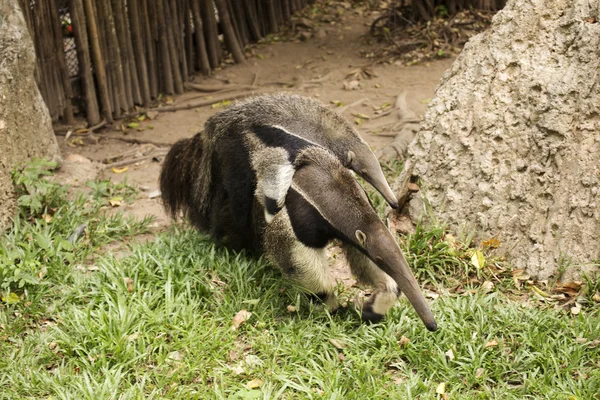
(39,257)
(157,324)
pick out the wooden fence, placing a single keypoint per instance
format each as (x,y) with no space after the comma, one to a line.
(123,53)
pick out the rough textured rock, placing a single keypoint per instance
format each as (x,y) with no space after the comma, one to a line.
(25,126)
(510,145)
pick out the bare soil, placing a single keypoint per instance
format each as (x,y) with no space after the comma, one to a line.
(333,52)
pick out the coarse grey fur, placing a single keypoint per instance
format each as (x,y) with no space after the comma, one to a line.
(298,118)
(297,237)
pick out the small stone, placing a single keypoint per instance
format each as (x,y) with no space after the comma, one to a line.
(154,194)
(305,36)
(321,34)
(76,158)
(352,85)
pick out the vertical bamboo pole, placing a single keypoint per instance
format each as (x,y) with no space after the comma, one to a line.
(85,64)
(252,19)
(138,47)
(202,62)
(189,39)
(176,28)
(272,16)
(211,33)
(116,91)
(135,80)
(239,23)
(98,62)
(150,48)
(229,33)
(166,70)
(120,39)
(173,49)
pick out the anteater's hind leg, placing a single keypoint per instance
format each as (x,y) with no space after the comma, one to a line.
(307,266)
(386,290)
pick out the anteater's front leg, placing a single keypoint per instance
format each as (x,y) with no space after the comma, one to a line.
(308,266)
(366,271)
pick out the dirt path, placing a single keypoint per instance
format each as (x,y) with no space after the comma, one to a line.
(333,53)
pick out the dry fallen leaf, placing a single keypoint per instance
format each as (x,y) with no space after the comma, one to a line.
(570,288)
(487,286)
(593,344)
(174,357)
(129,282)
(575,285)
(13,298)
(237,370)
(115,201)
(519,275)
(540,292)
(413,187)
(151,114)
(338,344)
(361,115)
(493,243)
(254,384)
(403,341)
(241,317)
(253,360)
(491,343)
(441,388)
(119,170)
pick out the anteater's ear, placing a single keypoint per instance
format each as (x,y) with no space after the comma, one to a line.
(351,156)
(361,237)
